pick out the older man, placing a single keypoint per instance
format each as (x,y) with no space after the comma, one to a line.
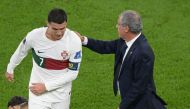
(134,62)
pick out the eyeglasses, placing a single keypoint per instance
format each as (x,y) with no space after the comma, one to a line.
(119,24)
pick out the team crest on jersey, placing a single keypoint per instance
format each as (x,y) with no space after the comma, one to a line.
(64,54)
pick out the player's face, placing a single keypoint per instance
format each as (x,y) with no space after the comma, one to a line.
(56,30)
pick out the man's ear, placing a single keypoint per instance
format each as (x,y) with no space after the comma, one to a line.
(126,29)
(47,23)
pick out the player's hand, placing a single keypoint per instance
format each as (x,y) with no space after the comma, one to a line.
(38,88)
(9,76)
(79,35)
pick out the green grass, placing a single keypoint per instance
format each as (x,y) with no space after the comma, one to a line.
(166,25)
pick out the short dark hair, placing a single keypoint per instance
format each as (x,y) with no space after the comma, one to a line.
(57,15)
(16,100)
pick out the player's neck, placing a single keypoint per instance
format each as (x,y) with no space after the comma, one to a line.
(49,36)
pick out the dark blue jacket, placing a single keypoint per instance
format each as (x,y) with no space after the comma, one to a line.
(136,82)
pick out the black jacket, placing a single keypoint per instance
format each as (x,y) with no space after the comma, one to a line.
(136,82)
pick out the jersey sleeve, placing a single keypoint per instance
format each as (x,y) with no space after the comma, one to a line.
(19,54)
(74,65)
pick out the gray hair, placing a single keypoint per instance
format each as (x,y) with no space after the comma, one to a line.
(131,19)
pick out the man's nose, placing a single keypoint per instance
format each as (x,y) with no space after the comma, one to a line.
(59,33)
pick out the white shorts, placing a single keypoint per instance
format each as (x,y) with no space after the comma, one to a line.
(49,105)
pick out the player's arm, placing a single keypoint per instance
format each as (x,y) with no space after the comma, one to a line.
(17,57)
(71,74)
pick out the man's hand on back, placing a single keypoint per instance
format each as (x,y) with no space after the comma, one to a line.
(79,35)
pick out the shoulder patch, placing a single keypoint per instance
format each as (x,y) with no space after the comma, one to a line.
(77,55)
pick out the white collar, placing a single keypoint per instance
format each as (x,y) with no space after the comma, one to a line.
(130,43)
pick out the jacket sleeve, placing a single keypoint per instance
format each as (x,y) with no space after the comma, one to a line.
(73,70)
(102,47)
(143,69)
(19,54)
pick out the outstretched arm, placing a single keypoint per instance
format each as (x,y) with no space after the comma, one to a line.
(16,58)
(99,46)
(69,75)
